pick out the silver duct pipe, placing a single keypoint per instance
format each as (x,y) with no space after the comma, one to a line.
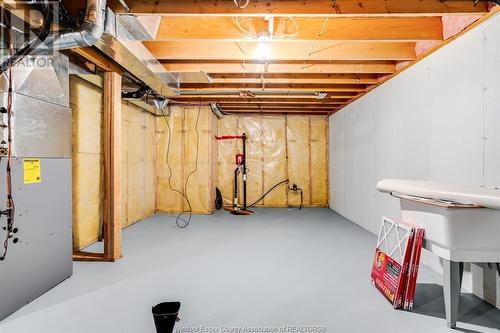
(88,34)
(103,30)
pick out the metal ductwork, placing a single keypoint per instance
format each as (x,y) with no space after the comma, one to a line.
(88,34)
(125,48)
(104,30)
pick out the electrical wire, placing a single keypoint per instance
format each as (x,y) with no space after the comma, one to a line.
(66,17)
(239,5)
(193,171)
(286,181)
(301,195)
(296,33)
(269,191)
(243,30)
(179,218)
(29,47)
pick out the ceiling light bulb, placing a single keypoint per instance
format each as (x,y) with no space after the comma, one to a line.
(264,36)
(263,50)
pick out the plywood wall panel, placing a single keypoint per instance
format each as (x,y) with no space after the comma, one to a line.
(299,158)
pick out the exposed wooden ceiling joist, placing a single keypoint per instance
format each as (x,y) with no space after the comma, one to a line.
(274,87)
(277,106)
(273,101)
(283,112)
(311,96)
(317,28)
(318,76)
(306,8)
(387,67)
(249,51)
(335,79)
(342,48)
(260,113)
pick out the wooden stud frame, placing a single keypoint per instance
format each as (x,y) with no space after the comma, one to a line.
(112,160)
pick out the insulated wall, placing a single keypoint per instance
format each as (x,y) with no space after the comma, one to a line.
(185,164)
(436,121)
(138,162)
(278,148)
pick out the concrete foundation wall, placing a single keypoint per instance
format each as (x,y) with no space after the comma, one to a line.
(436,121)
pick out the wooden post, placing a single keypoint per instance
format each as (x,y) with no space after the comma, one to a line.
(112,166)
(112,158)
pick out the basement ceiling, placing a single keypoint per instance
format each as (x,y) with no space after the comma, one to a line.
(295,57)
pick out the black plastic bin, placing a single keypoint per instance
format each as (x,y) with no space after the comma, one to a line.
(165,316)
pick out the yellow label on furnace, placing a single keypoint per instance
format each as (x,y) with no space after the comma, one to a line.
(32,171)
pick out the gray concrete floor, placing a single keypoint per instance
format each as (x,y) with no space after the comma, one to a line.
(277,268)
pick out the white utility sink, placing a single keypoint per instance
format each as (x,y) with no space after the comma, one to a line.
(462,224)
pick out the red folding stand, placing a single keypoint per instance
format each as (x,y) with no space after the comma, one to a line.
(241,167)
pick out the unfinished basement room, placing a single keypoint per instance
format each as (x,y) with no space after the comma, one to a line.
(249,166)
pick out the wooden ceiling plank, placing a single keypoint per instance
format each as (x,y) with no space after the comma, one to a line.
(332,96)
(304,8)
(352,80)
(317,113)
(280,90)
(281,107)
(192,50)
(345,29)
(285,111)
(361,76)
(282,86)
(279,102)
(297,68)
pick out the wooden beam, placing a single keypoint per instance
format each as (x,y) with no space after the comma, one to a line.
(291,68)
(112,166)
(333,79)
(318,76)
(97,58)
(297,68)
(332,95)
(494,11)
(305,8)
(277,107)
(280,111)
(317,113)
(88,256)
(275,90)
(252,86)
(278,101)
(320,50)
(309,28)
